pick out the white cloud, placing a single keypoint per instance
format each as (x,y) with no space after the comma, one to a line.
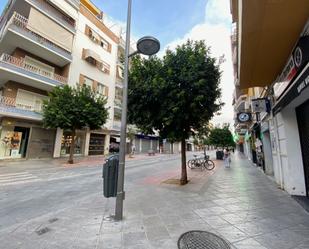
(216,31)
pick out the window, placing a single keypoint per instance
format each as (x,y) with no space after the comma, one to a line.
(106,68)
(96,38)
(102,90)
(120,72)
(104,44)
(88,82)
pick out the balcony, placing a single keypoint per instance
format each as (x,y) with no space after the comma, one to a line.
(63,20)
(9,108)
(118,103)
(17,34)
(117,125)
(16,69)
(240,103)
(75,3)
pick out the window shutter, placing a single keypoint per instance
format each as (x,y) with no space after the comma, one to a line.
(109,49)
(87,30)
(95,85)
(81,79)
(106,91)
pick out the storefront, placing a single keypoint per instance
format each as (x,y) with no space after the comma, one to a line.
(41,143)
(292,116)
(267,155)
(25,139)
(80,139)
(144,143)
(96,144)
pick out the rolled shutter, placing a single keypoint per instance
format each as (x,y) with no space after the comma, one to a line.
(47,28)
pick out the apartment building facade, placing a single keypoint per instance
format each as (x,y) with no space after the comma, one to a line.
(94,64)
(271,51)
(35,56)
(48,43)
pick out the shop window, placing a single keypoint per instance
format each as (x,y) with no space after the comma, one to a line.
(96,144)
(67,140)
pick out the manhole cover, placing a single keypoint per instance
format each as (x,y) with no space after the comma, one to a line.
(201,240)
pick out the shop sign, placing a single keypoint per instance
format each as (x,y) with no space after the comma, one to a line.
(300,84)
(303,84)
(296,62)
(260,105)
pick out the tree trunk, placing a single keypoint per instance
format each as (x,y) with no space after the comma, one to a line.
(72,147)
(184,178)
(172,148)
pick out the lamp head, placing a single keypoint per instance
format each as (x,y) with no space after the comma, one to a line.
(148,45)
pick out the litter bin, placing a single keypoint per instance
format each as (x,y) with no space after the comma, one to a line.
(219,154)
(110,176)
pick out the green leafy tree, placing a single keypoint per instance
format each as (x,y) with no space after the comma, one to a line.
(221,137)
(73,109)
(175,95)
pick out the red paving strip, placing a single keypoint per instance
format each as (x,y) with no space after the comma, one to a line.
(195,176)
(99,160)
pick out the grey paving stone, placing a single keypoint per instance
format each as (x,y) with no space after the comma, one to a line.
(157,233)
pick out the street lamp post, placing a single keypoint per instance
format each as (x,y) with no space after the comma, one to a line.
(148,46)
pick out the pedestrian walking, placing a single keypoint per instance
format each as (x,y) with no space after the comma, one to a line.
(133,150)
(227,158)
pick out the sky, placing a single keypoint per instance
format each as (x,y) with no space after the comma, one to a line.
(175,21)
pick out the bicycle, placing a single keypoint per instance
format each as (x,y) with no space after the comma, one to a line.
(202,163)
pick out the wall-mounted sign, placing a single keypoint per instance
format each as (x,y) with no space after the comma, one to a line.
(260,105)
(296,62)
(244,117)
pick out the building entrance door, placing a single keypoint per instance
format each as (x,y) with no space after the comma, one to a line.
(303,126)
(24,139)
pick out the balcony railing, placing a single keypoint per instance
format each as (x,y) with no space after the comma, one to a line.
(21,63)
(21,23)
(9,105)
(67,21)
(11,102)
(118,103)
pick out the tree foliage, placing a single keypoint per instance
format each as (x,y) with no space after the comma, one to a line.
(74,108)
(221,137)
(175,95)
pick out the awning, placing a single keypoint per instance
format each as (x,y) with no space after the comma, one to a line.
(92,54)
(268,32)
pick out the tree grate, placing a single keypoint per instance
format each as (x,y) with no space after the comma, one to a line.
(201,240)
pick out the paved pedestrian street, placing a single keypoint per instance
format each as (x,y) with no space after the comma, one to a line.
(240,204)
